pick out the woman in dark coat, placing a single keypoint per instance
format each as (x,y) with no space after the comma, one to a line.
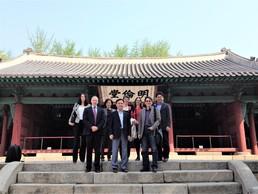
(105,138)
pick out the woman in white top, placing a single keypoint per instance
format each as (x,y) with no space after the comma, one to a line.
(76,121)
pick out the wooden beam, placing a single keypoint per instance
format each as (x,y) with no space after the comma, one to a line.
(202,99)
(212,99)
(48,100)
(174,99)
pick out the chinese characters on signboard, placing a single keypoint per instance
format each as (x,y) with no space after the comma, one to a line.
(128,93)
(115,92)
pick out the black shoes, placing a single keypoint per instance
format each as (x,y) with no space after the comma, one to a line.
(137,159)
(97,170)
(124,170)
(145,170)
(154,170)
(165,159)
(115,170)
(87,170)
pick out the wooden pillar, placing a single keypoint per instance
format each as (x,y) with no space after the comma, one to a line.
(239,126)
(17,124)
(252,131)
(171,131)
(4,130)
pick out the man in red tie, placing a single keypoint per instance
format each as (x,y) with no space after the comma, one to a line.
(94,119)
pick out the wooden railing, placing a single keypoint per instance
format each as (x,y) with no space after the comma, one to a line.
(209,137)
(42,139)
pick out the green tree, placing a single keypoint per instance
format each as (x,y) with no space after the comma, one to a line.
(143,49)
(57,48)
(120,51)
(158,49)
(40,42)
(135,50)
(94,52)
(69,49)
(108,54)
(4,56)
(66,49)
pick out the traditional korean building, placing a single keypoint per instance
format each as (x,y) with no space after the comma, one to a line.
(214,98)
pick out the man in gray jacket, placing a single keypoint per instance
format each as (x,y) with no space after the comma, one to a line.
(148,124)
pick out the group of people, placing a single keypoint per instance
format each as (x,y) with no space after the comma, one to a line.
(113,126)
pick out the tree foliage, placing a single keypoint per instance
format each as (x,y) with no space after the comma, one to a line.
(144,49)
(4,56)
(120,51)
(42,43)
(94,52)
(66,49)
(158,49)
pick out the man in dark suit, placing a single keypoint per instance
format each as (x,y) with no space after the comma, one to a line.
(165,125)
(94,119)
(119,131)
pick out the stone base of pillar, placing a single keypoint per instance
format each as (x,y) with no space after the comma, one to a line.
(173,154)
(208,153)
(243,153)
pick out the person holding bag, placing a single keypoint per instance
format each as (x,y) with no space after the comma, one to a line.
(105,135)
(146,132)
(136,117)
(76,121)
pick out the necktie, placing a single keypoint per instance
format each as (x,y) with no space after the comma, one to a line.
(95,114)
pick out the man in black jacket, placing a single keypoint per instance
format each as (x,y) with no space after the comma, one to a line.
(119,131)
(94,119)
(165,123)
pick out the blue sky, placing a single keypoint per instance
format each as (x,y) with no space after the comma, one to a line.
(190,26)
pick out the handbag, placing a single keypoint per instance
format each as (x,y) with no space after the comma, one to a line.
(158,132)
(133,133)
(159,137)
(73,117)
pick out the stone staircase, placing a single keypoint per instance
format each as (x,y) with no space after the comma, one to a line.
(2,165)
(253,165)
(175,177)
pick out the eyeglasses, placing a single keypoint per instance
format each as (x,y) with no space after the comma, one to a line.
(148,101)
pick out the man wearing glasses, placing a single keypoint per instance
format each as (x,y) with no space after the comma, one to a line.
(148,124)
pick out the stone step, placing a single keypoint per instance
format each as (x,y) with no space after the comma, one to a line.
(186,176)
(41,188)
(215,188)
(174,176)
(108,189)
(202,165)
(56,177)
(2,165)
(191,188)
(132,166)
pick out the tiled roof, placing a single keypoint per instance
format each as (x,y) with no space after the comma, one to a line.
(224,64)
